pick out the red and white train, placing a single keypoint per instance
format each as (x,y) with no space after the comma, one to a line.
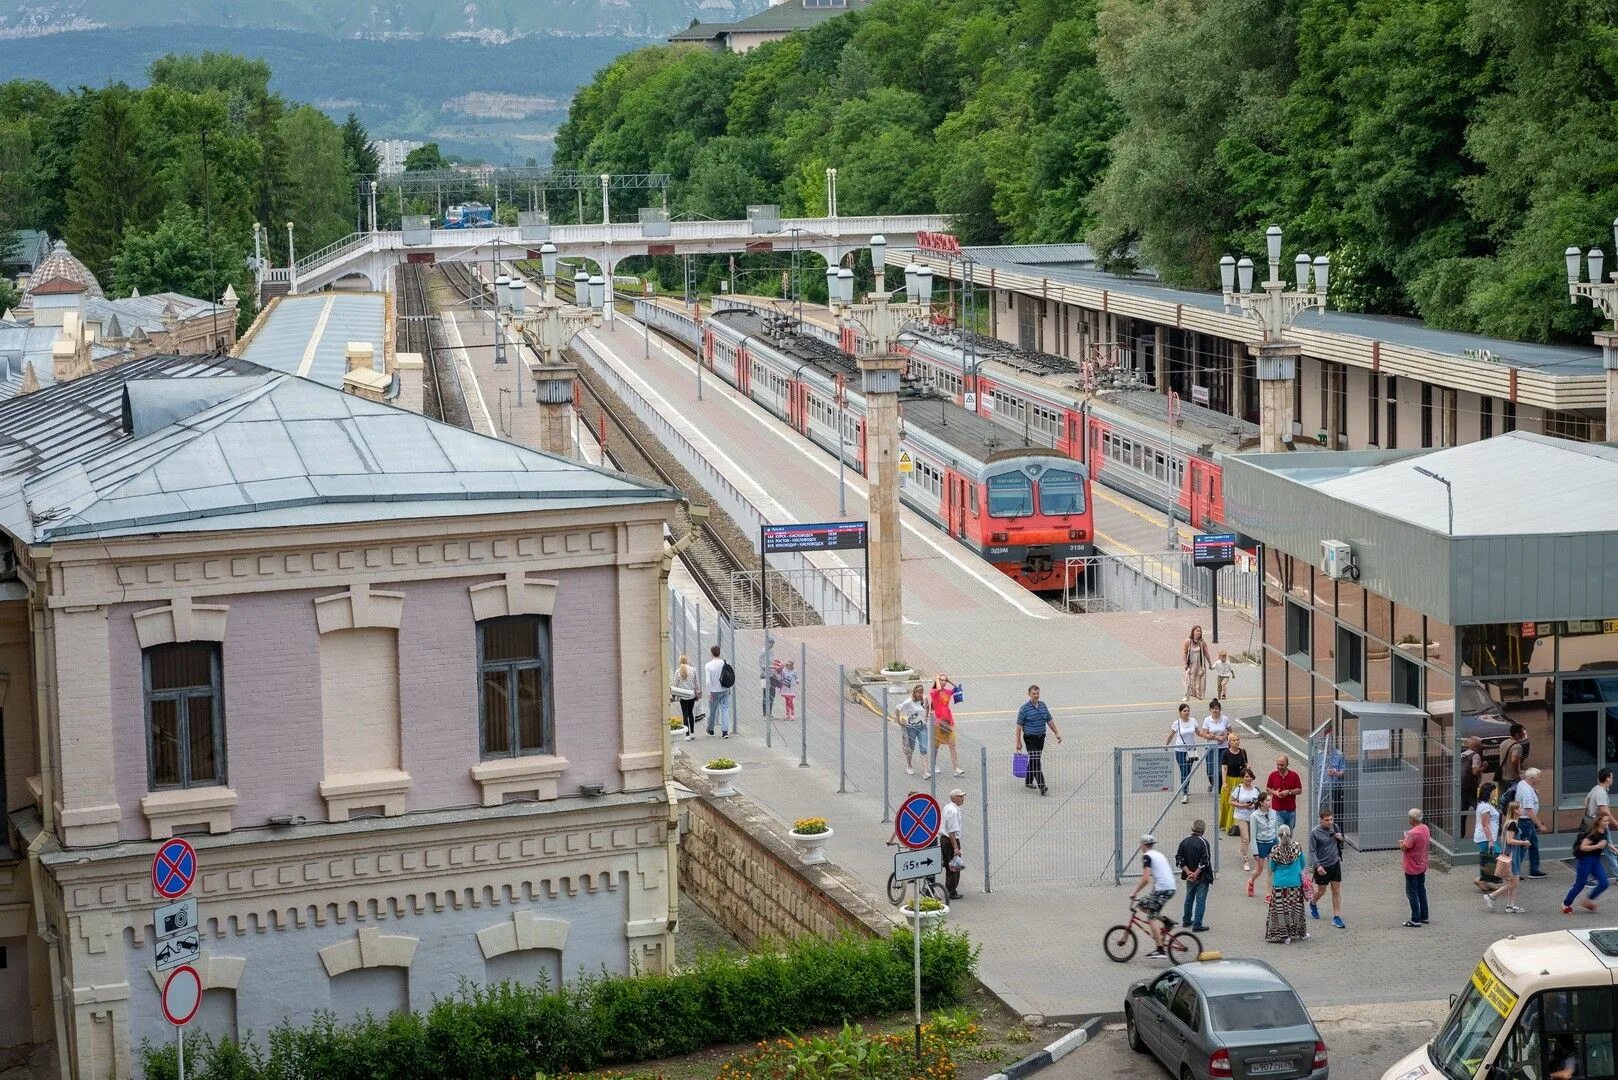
(1121,435)
(1026,509)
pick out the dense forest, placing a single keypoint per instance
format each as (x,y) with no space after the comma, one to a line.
(159,188)
(1444,152)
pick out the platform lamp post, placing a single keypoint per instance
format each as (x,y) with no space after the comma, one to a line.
(373,206)
(1275,309)
(549,330)
(292,262)
(881,321)
(547,267)
(1602,292)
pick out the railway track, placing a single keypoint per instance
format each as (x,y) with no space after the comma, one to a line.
(723,564)
(421,332)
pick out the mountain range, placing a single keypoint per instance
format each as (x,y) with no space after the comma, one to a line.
(493,21)
(487,79)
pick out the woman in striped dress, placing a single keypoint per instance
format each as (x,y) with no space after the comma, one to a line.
(1285,920)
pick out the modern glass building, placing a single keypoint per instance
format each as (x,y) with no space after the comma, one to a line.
(1477,584)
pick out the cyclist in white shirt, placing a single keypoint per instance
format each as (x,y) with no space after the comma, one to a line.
(1159,875)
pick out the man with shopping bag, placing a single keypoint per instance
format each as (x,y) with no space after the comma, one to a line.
(950,843)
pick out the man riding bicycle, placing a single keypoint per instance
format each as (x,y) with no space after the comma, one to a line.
(1158,876)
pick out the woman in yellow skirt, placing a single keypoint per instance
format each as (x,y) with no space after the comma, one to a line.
(1235,766)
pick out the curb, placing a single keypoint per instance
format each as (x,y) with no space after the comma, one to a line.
(1053,1053)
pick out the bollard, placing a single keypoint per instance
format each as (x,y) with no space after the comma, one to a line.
(842,729)
(803,705)
(983,771)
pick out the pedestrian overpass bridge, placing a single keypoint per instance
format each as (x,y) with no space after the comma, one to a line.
(366,260)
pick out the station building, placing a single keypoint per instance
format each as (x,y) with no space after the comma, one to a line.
(399,683)
(1363,381)
(1466,587)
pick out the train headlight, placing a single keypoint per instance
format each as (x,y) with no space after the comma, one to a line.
(1077,534)
(1000,537)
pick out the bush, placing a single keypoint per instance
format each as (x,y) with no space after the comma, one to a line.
(505,1030)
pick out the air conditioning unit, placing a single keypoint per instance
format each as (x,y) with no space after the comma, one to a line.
(1337,561)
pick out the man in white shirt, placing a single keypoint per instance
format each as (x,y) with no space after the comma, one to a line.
(718,693)
(1156,873)
(950,842)
(1528,824)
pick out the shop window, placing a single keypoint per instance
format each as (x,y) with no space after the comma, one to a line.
(1298,627)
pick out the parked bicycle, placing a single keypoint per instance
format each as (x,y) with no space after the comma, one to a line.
(930,885)
(1121,942)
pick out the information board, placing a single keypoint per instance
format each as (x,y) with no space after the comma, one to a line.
(1213,549)
(826,536)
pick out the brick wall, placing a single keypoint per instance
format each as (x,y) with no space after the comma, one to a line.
(737,864)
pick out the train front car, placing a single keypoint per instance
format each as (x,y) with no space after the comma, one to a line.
(1036,523)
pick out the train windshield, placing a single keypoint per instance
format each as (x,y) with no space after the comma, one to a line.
(1010,495)
(1061,492)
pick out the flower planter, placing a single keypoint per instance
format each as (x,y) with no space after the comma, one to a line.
(722,780)
(928,918)
(812,845)
(903,675)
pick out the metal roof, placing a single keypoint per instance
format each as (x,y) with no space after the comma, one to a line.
(791,15)
(97,457)
(308,334)
(1535,534)
(22,342)
(1553,359)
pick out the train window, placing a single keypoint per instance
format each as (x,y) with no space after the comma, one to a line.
(1061,492)
(1011,495)
(974,500)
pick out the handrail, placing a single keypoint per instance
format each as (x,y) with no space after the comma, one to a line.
(352,240)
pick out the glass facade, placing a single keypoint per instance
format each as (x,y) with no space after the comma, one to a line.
(1326,641)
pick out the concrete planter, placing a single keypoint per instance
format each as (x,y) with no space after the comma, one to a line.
(812,845)
(722,780)
(903,676)
(928,918)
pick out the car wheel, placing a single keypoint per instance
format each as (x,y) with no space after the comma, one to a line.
(1185,1073)
(1132,1033)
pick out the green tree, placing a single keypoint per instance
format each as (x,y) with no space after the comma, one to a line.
(424,158)
(319,196)
(113,185)
(175,255)
(358,149)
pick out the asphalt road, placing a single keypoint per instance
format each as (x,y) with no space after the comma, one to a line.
(1362,1042)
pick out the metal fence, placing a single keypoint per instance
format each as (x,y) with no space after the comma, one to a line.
(1153,582)
(1372,777)
(829,595)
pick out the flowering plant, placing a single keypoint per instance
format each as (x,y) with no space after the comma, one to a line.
(810,826)
(722,763)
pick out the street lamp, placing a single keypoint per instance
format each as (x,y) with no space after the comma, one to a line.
(1275,309)
(879,262)
(547,264)
(1602,292)
(880,318)
(292,262)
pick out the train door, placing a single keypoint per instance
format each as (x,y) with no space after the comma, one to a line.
(707,347)
(744,370)
(1072,443)
(1201,477)
(958,505)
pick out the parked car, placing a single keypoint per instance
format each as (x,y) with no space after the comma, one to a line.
(1225,1020)
(1480,715)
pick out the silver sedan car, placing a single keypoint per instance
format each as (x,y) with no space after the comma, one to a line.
(1225,1020)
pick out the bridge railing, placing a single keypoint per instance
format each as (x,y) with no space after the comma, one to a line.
(339,247)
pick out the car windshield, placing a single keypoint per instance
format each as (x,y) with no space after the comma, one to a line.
(1010,495)
(1473,1024)
(1260,1010)
(1475,699)
(1061,492)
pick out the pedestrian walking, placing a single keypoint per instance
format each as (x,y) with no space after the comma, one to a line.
(1195,860)
(1589,847)
(1243,800)
(789,688)
(1266,827)
(1472,767)
(1326,853)
(1416,843)
(717,679)
(769,678)
(1183,738)
(1032,721)
(1284,786)
(1284,922)
(1507,862)
(1223,674)
(1235,769)
(683,688)
(1197,660)
(1529,824)
(950,848)
(942,700)
(911,716)
(1486,835)
(1215,730)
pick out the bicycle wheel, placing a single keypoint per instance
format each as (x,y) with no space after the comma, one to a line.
(896,890)
(936,890)
(1183,946)
(1120,943)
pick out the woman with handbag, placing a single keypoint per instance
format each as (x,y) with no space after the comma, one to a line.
(942,699)
(683,688)
(1183,738)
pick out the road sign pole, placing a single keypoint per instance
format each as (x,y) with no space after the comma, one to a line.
(179,1039)
(1213,587)
(916,904)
